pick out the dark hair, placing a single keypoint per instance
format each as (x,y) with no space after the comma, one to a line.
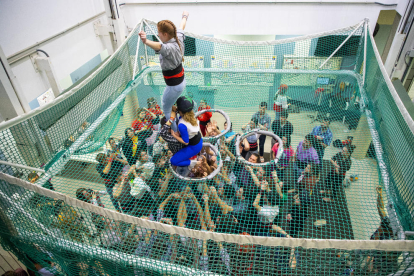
(20,272)
(229,191)
(204,100)
(101,157)
(67,143)
(350,148)
(284,114)
(263,104)
(110,140)
(126,131)
(311,139)
(350,138)
(315,169)
(257,156)
(326,119)
(32,175)
(79,194)
(163,121)
(150,100)
(288,141)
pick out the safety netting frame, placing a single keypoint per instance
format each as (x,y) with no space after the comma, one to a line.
(401,246)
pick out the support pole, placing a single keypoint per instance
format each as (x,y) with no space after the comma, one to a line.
(156,36)
(342,44)
(136,53)
(365,51)
(21,166)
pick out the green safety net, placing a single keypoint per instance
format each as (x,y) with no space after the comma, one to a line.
(311,175)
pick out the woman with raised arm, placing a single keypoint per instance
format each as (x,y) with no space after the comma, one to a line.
(171,50)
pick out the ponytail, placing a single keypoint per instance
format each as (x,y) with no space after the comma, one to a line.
(172,31)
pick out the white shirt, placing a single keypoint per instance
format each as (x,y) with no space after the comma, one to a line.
(192,130)
(281,100)
(268,213)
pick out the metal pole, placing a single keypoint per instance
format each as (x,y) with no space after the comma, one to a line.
(365,52)
(21,166)
(136,53)
(337,49)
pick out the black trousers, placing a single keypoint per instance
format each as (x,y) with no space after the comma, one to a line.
(299,216)
(262,140)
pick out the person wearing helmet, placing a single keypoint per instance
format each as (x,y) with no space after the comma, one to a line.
(189,132)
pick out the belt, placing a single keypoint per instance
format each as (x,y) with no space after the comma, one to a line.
(179,75)
(175,76)
(195,140)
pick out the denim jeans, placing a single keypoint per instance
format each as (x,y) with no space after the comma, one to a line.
(169,97)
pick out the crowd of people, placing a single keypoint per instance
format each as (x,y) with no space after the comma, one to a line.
(241,198)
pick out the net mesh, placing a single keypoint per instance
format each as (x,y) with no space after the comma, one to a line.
(294,186)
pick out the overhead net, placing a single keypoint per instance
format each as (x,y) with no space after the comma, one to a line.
(310,176)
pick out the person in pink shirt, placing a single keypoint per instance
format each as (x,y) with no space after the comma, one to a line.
(285,159)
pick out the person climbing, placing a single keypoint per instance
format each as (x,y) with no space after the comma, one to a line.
(171,50)
(189,136)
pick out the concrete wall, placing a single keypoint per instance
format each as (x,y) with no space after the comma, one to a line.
(256,17)
(25,23)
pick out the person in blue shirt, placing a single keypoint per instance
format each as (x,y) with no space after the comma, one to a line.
(323,138)
(189,136)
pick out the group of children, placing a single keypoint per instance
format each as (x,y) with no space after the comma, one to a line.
(240,199)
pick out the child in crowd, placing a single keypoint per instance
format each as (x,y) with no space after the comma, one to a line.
(205,117)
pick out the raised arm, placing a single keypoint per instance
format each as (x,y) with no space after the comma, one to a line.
(119,187)
(200,211)
(164,185)
(246,145)
(256,203)
(380,204)
(108,166)
(165,202)
(184,20)
(181,214)
(224,207)
(276,183)
(254,176)
(207,215)
(152,44)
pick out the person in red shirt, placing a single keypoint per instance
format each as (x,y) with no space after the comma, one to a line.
(205,117)
(144,121)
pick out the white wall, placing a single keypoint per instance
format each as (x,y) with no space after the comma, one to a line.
(26,22)
(257,18)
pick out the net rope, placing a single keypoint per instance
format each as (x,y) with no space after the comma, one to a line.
(300,172)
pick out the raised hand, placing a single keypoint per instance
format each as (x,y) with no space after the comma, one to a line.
(143,36)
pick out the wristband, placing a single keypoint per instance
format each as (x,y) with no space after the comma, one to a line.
(185,16)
